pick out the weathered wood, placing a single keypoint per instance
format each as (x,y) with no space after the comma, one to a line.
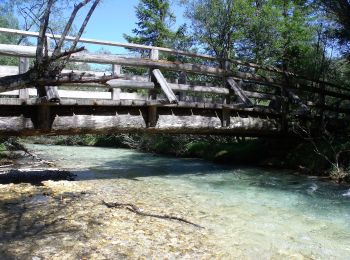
(152,116)
(52,94)
(23,67)
(239,92)
(43,118)
(259,95)
(202,89)
(8,70)
(111,43)
(119,123)
(154,55)
(132,84)
(84,94)
(164,86)
(226,119)
(116,91)
(28,51)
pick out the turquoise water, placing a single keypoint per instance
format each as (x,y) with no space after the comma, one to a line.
(251,213)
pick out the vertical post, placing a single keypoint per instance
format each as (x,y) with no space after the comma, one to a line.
(226,120)
(152,110)
(322,103)
(154,55)
(226,112)
(116,91)
(227,66)
(182,80)
(23,67)
(285,104)
(152,116)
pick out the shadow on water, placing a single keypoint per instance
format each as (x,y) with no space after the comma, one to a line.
(100,163)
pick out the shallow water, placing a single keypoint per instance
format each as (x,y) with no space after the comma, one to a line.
(247,212)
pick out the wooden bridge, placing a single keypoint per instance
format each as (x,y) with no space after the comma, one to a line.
(177,92)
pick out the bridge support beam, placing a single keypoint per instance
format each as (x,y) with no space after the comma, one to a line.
(152,116)
(226,117)
(43,118)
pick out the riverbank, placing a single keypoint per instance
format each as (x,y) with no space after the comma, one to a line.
(245,212)
(321,157)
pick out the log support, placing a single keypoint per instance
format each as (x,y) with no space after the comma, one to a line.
(152,116)
(43,117)
(226,117)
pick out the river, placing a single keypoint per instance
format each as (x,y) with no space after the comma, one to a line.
(247,213)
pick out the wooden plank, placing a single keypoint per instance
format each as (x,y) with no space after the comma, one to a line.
(10,93)
(259,95)
(132,84)
(202,89)
(164,86)
(84,94)
(239,92)
(8,70)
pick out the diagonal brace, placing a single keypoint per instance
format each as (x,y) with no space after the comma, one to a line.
(239,92)
(164,86)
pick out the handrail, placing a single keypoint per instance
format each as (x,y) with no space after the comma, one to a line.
(110,43)
(172,51)
(147,47)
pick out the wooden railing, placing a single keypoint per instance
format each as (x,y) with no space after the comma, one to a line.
(281,93)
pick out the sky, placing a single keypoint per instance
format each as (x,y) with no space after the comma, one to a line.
(113,18)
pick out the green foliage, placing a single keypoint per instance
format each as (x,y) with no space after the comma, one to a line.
(216,24)
(271,32)
(247,152)
(154,21)
(8,20)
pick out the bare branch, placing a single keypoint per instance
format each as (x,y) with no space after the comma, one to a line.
(42,31)
(69,26)
(82,28)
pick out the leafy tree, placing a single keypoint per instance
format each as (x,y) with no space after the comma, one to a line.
(154,22)
(7,20)
(339,11)
(216,24)
(275,32)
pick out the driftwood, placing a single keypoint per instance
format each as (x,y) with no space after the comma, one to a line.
(136,210)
